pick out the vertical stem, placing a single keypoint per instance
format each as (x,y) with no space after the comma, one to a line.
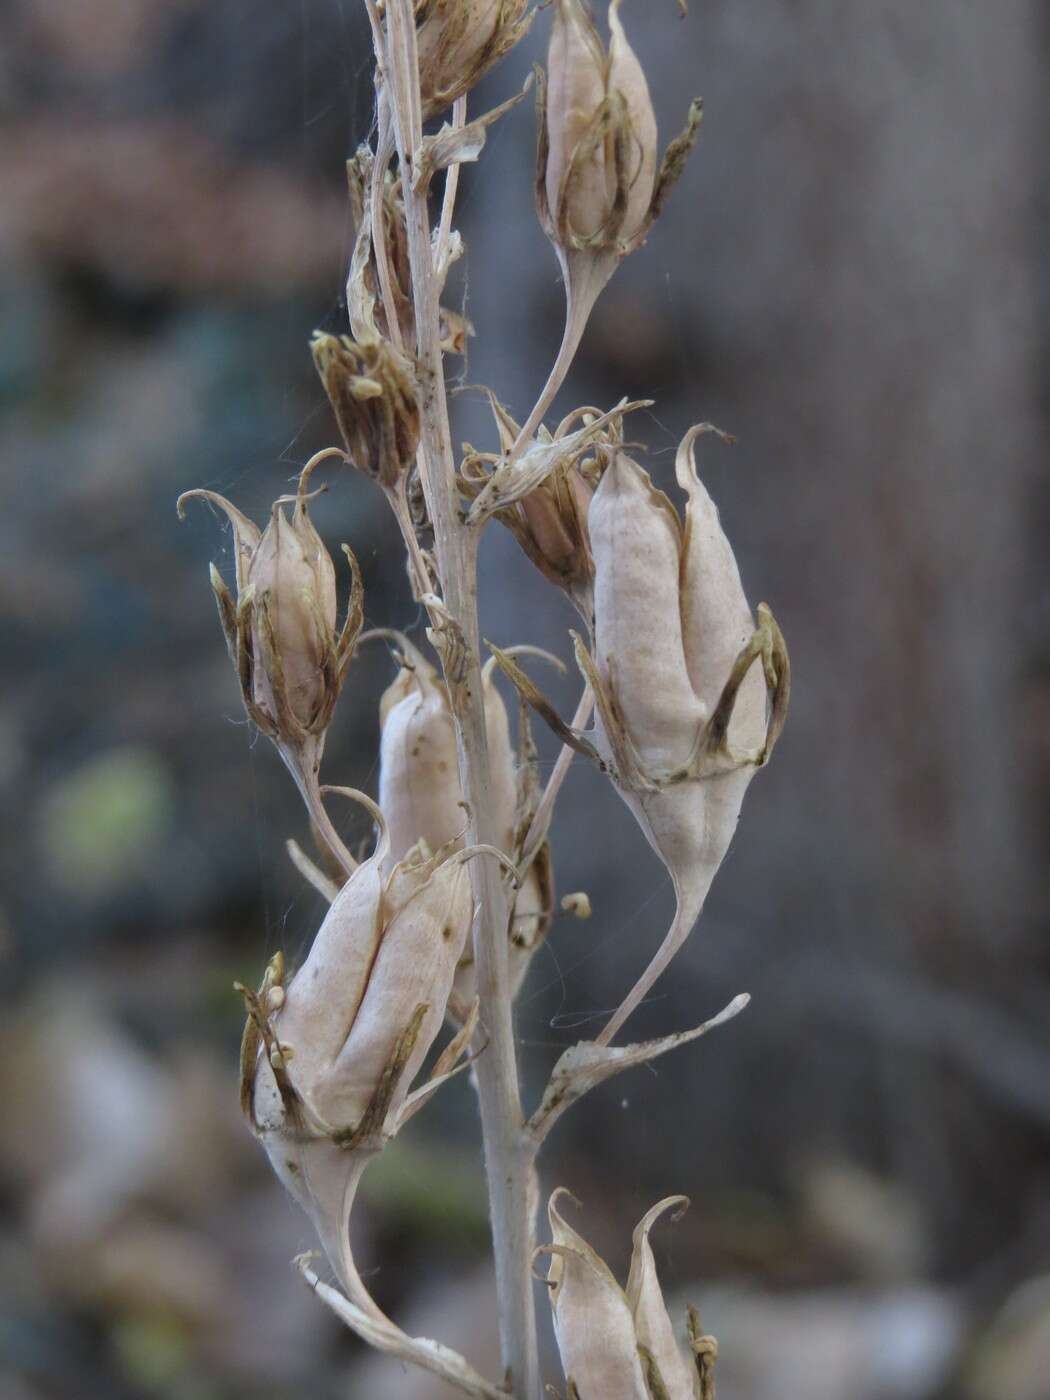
(508,1159)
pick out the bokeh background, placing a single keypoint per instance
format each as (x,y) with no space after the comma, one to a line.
(851,278)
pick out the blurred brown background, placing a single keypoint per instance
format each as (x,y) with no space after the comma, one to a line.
(852,278)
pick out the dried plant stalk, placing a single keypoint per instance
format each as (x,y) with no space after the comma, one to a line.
(688,696)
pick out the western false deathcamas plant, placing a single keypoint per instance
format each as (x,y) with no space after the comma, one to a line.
(687,688)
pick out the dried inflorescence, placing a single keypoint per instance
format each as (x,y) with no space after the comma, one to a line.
(617,1342)
(689,693)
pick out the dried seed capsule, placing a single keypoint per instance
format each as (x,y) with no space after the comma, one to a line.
(328,1066)
(598,189)
(636,540)
(419,788)
(365,304)
(459,41)
(680,676)
(372,391)
(617,1343)
(281,630)
(422,800)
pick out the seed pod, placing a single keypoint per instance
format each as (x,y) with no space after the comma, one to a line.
(281,631)
(329,1062)
(543,495)
(592,1319)
(459,41)
(636,539)
(365,305)
(372,391)
(422,800)
(598,189)
(682,715)
(617,1343)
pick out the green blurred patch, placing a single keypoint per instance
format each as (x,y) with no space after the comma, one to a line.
(431,1191)
(106,821)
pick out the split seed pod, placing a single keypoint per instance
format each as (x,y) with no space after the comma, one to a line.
(364,303)
(459,41)
(682,719)
(543,494)
(422,800)
(598,188)
(372,390)
(281,630)
(328,1060)
(614,1342)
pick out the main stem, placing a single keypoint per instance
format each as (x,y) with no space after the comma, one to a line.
(508,1156)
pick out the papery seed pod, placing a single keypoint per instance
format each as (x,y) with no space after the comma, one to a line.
(419,788)
(281,630)
(592,1319)
(372,391)
(543,495)
(615,1343)
(636,539)
(598,188)
(422,800)
(680,675)
(459,41)
(328,1063)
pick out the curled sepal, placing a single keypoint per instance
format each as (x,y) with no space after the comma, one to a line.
(676,1373)
(534,697)
(379,1332)
(452,1061)
(705,1351)
(455,145)
(586,1065)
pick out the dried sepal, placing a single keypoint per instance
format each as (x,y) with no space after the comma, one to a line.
(458,41)
(587,1064)
(705,1351)
(372,389)
(311,873)
(281,631)
(454,145)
